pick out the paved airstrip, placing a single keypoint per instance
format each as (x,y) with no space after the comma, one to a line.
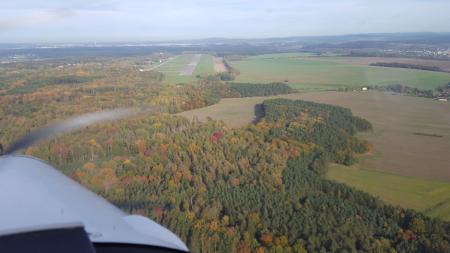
(189,69)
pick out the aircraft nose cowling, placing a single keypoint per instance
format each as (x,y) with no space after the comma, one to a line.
(35,195)
(146,226)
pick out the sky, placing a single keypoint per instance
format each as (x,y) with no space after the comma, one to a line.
(150,20)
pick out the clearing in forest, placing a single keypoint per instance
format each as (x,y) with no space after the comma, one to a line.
(186,67)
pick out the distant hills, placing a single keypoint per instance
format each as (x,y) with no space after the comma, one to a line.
(233,46)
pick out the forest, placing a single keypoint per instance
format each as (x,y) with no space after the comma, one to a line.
(253,189)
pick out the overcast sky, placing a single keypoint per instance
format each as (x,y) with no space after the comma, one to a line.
(144,20)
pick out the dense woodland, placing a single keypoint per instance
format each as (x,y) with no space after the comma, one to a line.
(34,94)
(258,188)
(254,189)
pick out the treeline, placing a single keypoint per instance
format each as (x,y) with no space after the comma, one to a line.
(226,76)
(230,68)
(34,84)
(440,92)
(259,90)
(255,189)
(230,73)
(403,89)
(407,66)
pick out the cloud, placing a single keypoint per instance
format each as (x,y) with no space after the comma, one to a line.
(103,20)
(58,4)
(35,18)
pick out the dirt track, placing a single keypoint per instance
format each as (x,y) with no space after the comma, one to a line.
(219,66)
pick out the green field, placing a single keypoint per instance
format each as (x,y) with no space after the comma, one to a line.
(429,196)
(320,73)
(205,66)
(173,67)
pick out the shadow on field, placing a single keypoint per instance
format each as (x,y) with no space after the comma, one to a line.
(259,113)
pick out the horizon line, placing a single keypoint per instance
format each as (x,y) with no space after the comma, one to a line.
(180,40)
